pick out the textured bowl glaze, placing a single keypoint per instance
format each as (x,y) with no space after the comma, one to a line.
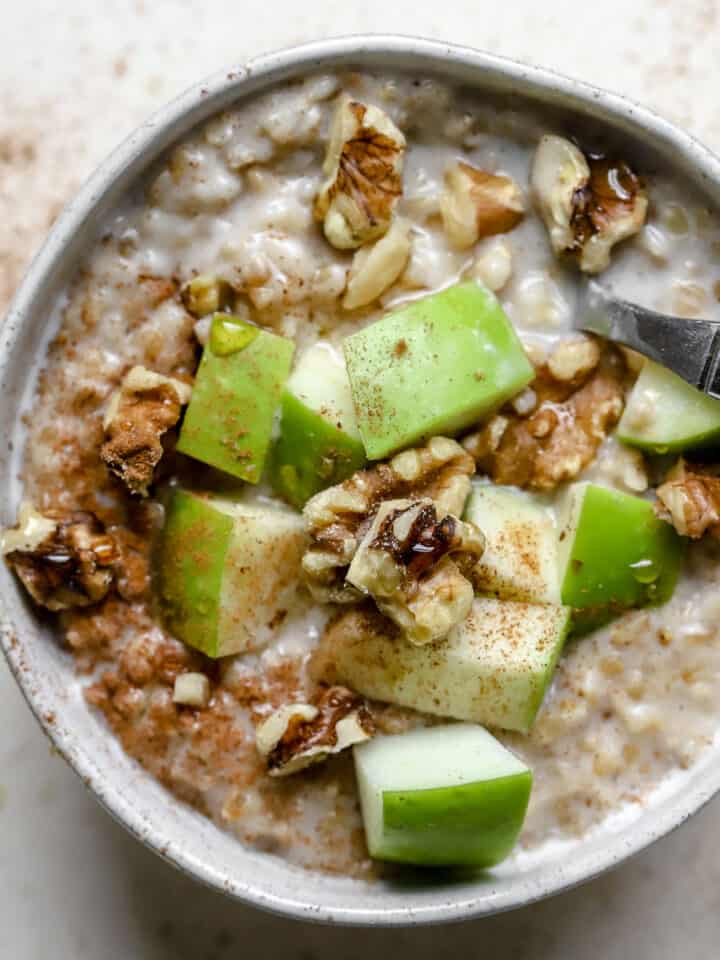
(45,673)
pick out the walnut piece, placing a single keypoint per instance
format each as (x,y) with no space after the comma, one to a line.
(300,734)
(206,294)
(588,203)
(573,359)
(62,561)
(404,564)
(31,530)
(145,407)
(689,499)
(563,429)
(338,518)
(377,266)
(363,170)
(478,204)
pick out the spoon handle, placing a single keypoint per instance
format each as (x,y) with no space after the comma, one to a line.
(690,348)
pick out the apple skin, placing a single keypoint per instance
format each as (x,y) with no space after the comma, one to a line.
(311,453)
(620,556)
(191,565)
(225,570)
(229,420)
(447,795)
(473,825)
(664,414)
(433,367)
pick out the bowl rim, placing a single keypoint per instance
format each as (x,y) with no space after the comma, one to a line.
(103,190)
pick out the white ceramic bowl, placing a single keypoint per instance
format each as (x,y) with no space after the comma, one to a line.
(45,673)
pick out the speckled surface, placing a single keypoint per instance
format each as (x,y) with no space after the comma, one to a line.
(74,885)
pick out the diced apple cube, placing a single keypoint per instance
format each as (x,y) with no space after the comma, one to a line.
(433,367)
(493,668)
(229,421)
(227,571)
(441,796)
(614,552)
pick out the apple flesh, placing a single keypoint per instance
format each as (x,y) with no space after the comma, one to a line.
(613,553)
(226,571)
(441,796)
(600,551)
(664,414)
(520,558)
(493,668)
(319,443)
(229,420)
(433,367)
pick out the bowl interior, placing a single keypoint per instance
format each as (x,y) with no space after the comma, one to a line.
(45,672)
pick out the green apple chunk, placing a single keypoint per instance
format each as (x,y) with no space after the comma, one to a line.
(227,571)
(493,668)
(229,421)
(613,552)
(319,443)
(665,414)
(441,796)
(520,558)
(433,367)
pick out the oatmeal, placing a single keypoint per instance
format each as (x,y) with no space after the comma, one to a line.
(316,466)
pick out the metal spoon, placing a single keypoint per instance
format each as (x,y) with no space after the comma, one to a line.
(690,348)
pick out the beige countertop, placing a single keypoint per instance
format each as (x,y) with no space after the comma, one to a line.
(74,80)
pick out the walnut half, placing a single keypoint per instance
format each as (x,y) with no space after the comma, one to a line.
(689,499)
(339,517)
(575,400)
(145,407)
(588,203)
(404,563)
(363,169)
(62,561)
(301,734)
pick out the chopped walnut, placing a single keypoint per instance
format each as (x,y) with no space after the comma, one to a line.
(32,529)
(573,359)
(563,431)
(339,517)
(376,267)
(145,407)
(363,169)
(300,734)
(588,203)
(478,204)
(404,564)
(206,294)
(559,170)
(689,499)
(62,561)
